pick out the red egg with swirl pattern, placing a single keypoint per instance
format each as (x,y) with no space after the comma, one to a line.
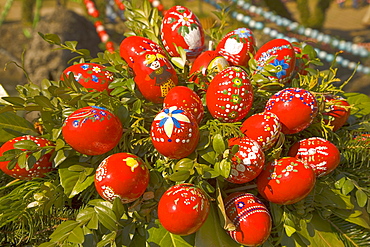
(186,99)
(286,181)
(183,209)
(181,27)
(237,46)
(337,111)
(295,107)
(174,132)
(251,218)
(279,53)
(322,155)
(92,130)
(91,76)
(247,162)
(264,128)
(42,165)
(121,175)
(229,96)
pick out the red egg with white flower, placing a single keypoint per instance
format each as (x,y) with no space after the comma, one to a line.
(174,133)
(295,107)
(251,218)
(229,96)
(237,46)
(121,175)
(286,181)
(264,128)
(322,155)
(90,75)
(337,111)
(247,162)
(181,28)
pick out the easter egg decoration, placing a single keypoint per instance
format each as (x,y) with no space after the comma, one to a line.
(183,209)
(286,181)
(229,96)
(41,166)
(337,111)
(322,155)
(121,175)
(92,130)
(237,46)
(181,27)
(251,218)
(295,107)
(174,132)
(90,75)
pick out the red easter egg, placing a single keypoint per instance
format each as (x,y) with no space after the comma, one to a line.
(229,96)
(337,111)
(264,128)
(183,209)
(283,55)
(322,155)
(180,27)
(251,218)
(237,45)
(186,99)
(247,163)
(92,130)
(174,133)
(286,181)
(206,66)
(42,165)
(121,175)
(295,107)
(90,75)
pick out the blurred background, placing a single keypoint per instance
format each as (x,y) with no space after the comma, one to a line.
(331,26)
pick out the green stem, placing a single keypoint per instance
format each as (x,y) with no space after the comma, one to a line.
(5,12)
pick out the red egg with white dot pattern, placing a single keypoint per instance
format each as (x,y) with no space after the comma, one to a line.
(286,181)
(183,209)
(264,128)
(322,155)
(295,107)
(42,165)
(251,218)
(247,163)
(174,133)
(121,175)
(229,96)
(337,111)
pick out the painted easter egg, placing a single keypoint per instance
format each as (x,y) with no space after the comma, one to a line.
(247,163)
(180,27)
(295,107)
(237,46)
(286,181)
(183,209)
(174,133)
(186,99)
(229,96)
(337,111)
(90,75)
(251,218)
(279,53)
(41,166)
(121,175)
(92,130)
(322,155)
(264,128)
(206,66)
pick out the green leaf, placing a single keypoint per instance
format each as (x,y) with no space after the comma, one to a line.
(107,239)
(63,230)
(107,217)
(361,198)
(178,62)
(12,125)
(347,187)
(76,236)
(14,100)
(26,144)
(179,176)
(43,101)
(49,244)
(218,144)
(209,155)
(223,167)
(361,103)
(162,237)
(51,38)
(22,160)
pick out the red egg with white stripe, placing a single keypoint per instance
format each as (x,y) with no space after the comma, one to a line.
(181,27)
(229,96)
(237,46)
(322,155)
(295,107)
(247,163)
(264,128)
(251,218)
